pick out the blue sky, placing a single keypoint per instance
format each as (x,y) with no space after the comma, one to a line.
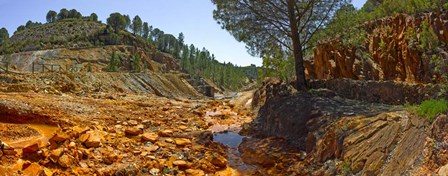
(192,17)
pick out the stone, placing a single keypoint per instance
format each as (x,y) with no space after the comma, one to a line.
(132,131)
(91,139)
(48,172)
(33,169)
(443,171)
(55,154)
(195,172)
(218,160)
(9,152)
(133,122)
(72,144)
(154,171)
(166,133)
(31,148)
(59,137)
(182,141)
(169,140)
(180,163)
(65,161)
(151,137)
(151,148)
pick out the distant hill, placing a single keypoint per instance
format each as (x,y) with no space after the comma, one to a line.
(83,33)
(71,33)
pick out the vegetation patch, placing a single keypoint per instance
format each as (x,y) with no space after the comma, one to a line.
(431,108)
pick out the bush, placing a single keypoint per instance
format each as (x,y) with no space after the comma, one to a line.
(431,108)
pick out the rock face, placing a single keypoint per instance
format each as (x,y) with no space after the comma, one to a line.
(387,92)
(387,144)
(370,139)
(386,54)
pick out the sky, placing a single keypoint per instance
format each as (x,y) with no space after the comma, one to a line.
(194,18)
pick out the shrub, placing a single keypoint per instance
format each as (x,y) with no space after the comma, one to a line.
(431,108)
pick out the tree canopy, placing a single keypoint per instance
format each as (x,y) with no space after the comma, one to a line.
(51,16)
(288,24)
(137,25)
(117,21)
(4,35)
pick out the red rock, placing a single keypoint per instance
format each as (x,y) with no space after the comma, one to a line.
(31,148)
(9,152)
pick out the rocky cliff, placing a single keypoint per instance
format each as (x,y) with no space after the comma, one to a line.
(388,53)
(343,136)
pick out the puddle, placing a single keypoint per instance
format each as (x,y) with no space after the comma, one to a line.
(233,140)
(44,133)
(230,139)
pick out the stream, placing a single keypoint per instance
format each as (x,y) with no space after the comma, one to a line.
(233,140)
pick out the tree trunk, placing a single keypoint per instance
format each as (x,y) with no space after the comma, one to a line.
(297,48)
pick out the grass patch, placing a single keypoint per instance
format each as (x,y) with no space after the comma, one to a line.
(431,108)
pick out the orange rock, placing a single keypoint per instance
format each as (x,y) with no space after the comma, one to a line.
(55,154)
(59,137)
(132,131)
(218,160)
(48,172)
(166,133)
(182,141)
(91,139)
(195,172)
(33,169)
(180,163)
(151,137)
(65,161)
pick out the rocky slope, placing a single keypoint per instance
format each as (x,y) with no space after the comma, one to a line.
(388,52)
(341,136)
(125,134)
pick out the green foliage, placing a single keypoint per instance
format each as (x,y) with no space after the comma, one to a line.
(145,30)
(276,63)
(431,108)
(136,63)
(287,24)
(428,38)
(93,17)
(4,35)
(137,25)
(117,21)
(113,63)
(51,16)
